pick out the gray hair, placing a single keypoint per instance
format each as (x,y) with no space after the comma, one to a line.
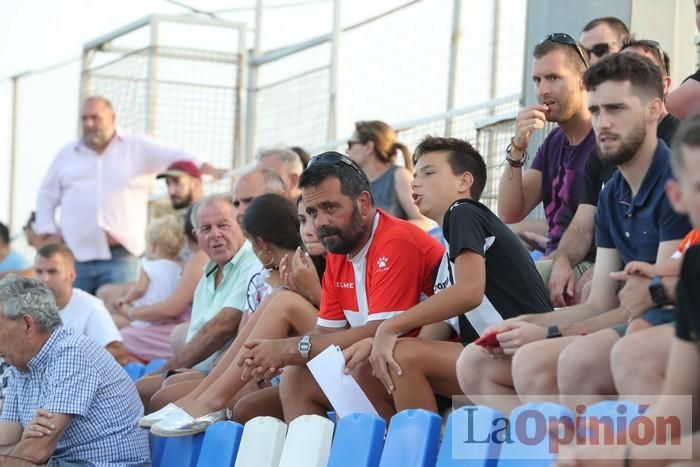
(209,200)
(272,180)
(22,296)
(289,158)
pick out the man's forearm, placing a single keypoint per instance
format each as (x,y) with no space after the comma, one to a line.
(211,338)
(342,339)
(564,315)
(594,323)
(510,195)
(575,243)
(29,451)
(6,450)
(319,342)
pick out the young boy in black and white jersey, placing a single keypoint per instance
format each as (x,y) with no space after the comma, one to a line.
(485,277)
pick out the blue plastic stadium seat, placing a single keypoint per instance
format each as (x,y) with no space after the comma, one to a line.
(134,370)
(606,417)
(412,439)
(220,445)
(529,443)
(182,451)
(154,365)
(358,441)
(471,438)
(157,444)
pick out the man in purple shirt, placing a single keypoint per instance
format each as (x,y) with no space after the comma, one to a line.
(555,177)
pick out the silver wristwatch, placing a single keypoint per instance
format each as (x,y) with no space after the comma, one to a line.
(304,347)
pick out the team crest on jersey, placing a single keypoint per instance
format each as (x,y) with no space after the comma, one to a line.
(382,264)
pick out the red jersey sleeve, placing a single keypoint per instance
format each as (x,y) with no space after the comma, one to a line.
(331,313)
(401,275)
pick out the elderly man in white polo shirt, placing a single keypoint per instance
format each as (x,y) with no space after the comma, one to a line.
(101,184)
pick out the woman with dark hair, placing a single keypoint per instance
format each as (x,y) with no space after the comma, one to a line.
(374,147)
(271,224)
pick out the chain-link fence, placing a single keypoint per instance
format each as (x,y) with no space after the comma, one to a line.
(185,95)
(425,66)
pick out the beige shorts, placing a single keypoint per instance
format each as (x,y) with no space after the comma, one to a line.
(544,267)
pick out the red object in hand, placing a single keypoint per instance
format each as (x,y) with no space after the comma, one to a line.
(488,339)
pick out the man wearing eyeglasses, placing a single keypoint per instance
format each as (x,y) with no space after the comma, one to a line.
(555,177)
(603,36)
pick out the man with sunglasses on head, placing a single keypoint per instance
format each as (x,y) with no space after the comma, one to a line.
(602,36)
(577,241)
(377,266)
(555,177)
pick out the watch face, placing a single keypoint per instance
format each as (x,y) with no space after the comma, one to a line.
(304,346)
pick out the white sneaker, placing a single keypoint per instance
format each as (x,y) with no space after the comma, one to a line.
(180,423)
(149,420)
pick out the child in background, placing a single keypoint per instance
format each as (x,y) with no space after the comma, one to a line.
(159,274)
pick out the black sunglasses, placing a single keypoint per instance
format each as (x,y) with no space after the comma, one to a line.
(352,142)
(335,158)
(599,50)
(563,38)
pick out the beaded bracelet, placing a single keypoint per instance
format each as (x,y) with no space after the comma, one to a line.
(512,162)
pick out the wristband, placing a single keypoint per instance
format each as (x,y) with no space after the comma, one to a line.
(512,162)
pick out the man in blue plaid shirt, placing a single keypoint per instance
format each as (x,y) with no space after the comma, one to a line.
(67,401)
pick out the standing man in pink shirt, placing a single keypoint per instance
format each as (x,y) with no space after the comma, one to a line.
(101,184)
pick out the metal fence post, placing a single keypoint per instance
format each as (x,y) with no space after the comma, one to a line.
(240,156)
(455,43)
(333,88)
(13,151)
(152,80)
(493,90)
(251,115)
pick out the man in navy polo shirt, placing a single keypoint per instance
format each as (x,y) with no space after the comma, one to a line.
(634,221)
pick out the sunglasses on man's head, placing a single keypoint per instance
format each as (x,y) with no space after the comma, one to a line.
(335,158)
(563,38)
(653,45)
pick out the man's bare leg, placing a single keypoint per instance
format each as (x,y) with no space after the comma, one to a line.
(535,370)
(428,367)
(300,394)
(639,362)
(263,403)
(482,376)
(584,375)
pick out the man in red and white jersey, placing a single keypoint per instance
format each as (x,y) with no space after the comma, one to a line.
(377,267)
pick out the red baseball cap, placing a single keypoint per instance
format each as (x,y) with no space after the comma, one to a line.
(180,168)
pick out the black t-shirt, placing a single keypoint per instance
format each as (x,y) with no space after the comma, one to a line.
(513,285)
(695,76)
(598,173)
(688,298)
